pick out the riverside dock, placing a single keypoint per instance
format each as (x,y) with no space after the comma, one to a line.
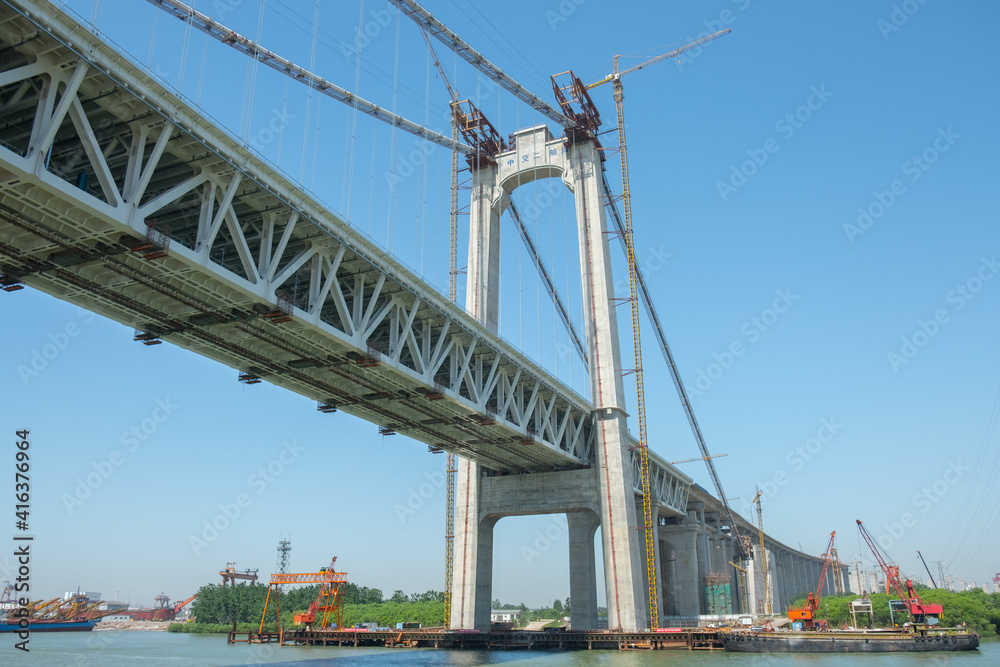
(673,638)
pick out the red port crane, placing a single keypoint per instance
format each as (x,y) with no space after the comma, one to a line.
(807,614)
(920,613)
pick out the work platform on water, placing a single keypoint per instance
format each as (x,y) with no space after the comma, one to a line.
(666,638)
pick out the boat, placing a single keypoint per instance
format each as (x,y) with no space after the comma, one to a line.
(75,613)
(47,625)
(922,633)
(851,641)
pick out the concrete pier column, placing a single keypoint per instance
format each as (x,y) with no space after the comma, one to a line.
(582,569)
(686,584)
(624,577)
(472,564)
(472,587)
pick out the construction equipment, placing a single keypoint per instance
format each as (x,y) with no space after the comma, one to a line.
(744,589)
(920,613)
(807,614)
(230,575)
(933,583)
(328,606)
(181,605)
(838,579)
(763,555)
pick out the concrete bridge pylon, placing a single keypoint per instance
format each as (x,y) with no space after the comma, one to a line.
(602,495)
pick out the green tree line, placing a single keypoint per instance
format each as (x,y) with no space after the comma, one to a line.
(976,609)
(217,607)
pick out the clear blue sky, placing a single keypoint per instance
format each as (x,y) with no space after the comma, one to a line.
(724,240)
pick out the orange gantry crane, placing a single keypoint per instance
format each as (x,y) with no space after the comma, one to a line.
(328,606)
(807,614)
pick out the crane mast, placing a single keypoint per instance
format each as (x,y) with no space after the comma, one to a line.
(589,119)
(807,614)
(647,507)
(451,470)
(763,555)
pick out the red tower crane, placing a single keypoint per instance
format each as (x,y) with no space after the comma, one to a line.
(920,613)
(807,614)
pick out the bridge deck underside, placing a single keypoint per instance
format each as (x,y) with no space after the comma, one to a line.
(117,197)
(120,198)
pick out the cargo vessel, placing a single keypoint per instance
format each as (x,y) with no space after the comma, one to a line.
(848,641)
(75,613)
(47,625)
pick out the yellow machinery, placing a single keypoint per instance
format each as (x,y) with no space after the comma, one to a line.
(763,555)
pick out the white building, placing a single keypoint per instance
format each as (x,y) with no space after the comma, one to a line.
(505,615)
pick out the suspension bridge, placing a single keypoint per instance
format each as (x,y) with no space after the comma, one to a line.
(120,196)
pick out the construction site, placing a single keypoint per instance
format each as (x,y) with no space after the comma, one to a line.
(307,303)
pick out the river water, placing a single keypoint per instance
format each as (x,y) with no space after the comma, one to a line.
(128,648)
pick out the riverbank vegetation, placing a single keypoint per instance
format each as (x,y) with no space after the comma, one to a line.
(975,609)
(217,607)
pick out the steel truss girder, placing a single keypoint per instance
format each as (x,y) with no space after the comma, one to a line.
(668,491)
(244,239)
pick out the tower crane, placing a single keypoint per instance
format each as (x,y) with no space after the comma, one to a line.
(763,555)
(451,470)
(807,614)
(587,118)
(920,613)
